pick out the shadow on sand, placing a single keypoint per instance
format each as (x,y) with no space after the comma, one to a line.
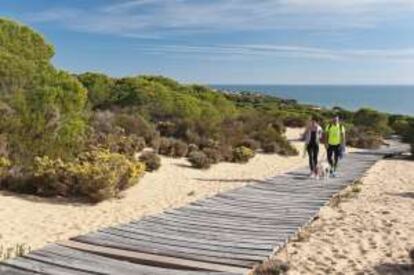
(408,195)
(57,201)
(388,269)
(232,180)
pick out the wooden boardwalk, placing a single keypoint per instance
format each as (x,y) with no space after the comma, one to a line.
(225,234)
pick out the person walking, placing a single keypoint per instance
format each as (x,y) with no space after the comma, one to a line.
(313,135)
(335,143)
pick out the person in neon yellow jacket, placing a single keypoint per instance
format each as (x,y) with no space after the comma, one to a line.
(335,140)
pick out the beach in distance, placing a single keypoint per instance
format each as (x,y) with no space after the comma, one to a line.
(397,99)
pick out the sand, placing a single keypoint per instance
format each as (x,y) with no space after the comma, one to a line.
(34,222)
(369,233)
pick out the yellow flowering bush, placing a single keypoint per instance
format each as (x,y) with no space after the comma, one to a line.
(242,154)
(5,164)
(97,175)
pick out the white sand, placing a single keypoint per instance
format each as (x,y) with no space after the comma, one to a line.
(37,221)
(368,234)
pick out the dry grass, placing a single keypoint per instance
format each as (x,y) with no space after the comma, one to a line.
(8,252)
(271,267)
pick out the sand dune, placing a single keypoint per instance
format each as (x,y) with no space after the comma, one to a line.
(37,221)
(368,234)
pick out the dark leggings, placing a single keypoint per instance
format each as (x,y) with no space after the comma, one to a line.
(313,152)
(333,155)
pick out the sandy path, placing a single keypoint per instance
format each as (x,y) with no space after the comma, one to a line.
(36,221)
(370,233)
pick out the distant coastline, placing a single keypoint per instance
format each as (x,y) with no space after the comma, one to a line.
(396,99)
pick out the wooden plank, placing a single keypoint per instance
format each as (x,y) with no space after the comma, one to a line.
(195,241)
(230,219)
(215,235)
(236,226)
(9,270)
(130,245)
(206,237)
(209,251)
(43,268)
(206,231)
(95,264)
(198,245)
(145,258)
(202,227)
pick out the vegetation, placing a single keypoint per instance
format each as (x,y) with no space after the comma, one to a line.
(271,267)
(76,135)
(96,175)
(242,154)
(151,160)
(199,160)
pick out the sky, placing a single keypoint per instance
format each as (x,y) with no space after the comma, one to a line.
(229,41)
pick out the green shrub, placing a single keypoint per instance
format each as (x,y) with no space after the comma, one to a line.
(167,128)
(99,88)
(271,267)
(295,120)
(47,105)
(102,175)
(192,148)
(165,146)
(5,165)
(375,121)
(180,149)
(365,138)
(96,175)
(151,160)
(271,147)
(172,148)
(134,124)
(250,143)
(226,152)
(214,155)
(242,154)
(199,160)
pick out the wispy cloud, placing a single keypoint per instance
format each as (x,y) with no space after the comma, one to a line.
(143,18)
(281,51)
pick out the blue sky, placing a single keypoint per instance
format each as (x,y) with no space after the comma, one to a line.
(230,41)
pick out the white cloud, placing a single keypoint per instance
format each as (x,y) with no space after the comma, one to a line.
(282,51)
(161,17)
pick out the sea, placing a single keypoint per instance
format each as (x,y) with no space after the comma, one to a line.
(389,99)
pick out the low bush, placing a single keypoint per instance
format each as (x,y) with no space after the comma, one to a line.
(271,147)
(134,124)
(5,165)
(271,267)
(96,175)
(172,148)
(226,152)
(374,121)
(295,120)
(151,160)
(192,148)
(242,154)
(214,155)
(199,160)
(360,137)
(250,143)
(180,149)
(288,150)
(165,146)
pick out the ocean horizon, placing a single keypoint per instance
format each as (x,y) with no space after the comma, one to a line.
(394,99)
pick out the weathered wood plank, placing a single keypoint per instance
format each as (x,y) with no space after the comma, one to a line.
(179,243)
(9,270)
(130,245)
(176,237)
(157,260)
